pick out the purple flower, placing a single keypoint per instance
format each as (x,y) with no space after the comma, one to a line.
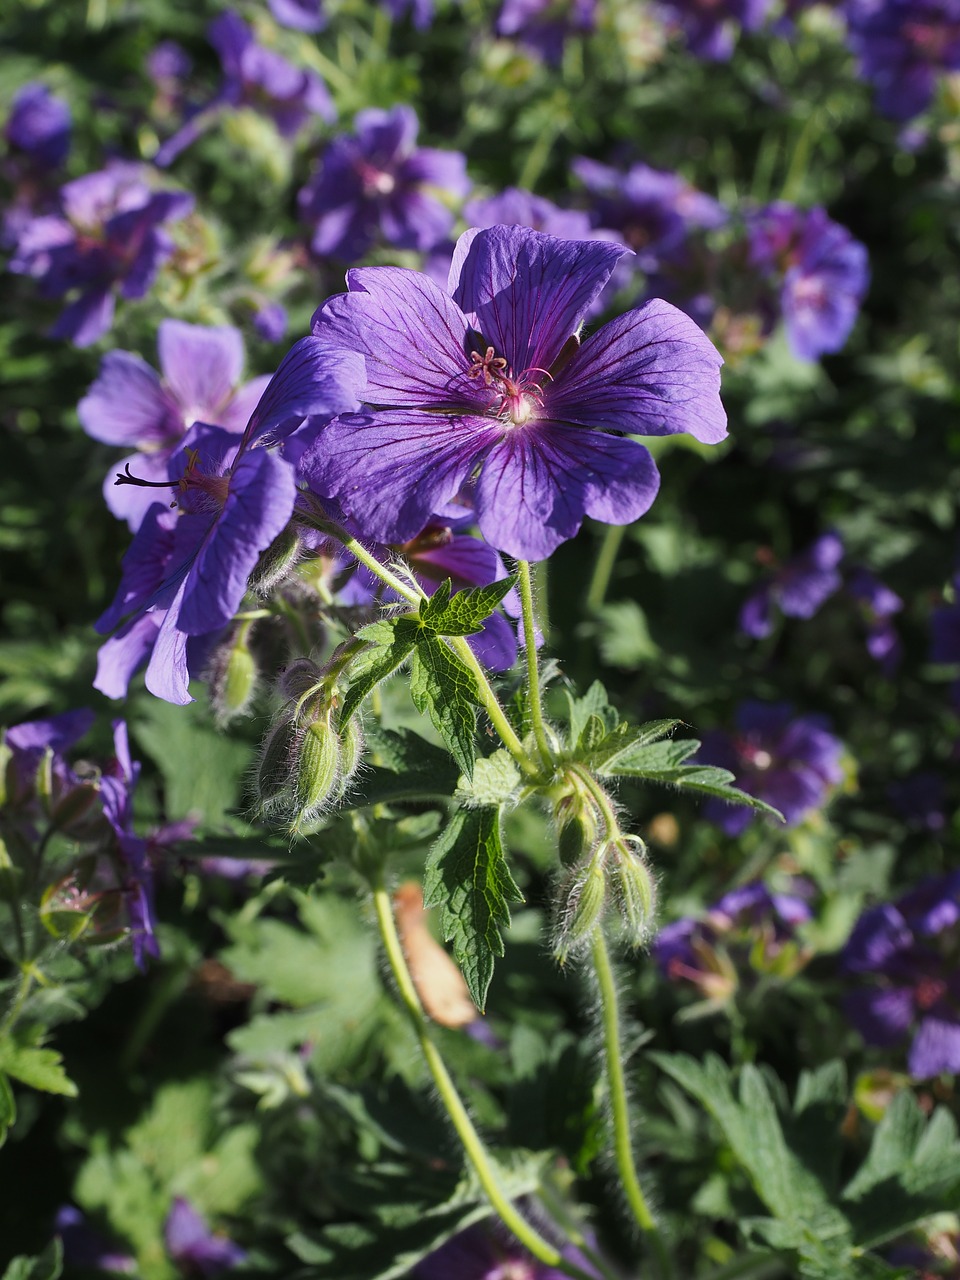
(545,25)
(270,321)
(29,742)
(791,762)
(301,15)
(185,573)
(377,183)
(195,1249)
(491,386)
(921,800)
(168,63)
(799,587)
(132,852)
(130,404)
(878,604)
(901,46)
(908,949)
(85,1247)
(708,25)
(108,238)
(482,1253)
(517,208)
(945,631)
(821,272)
(421,11)
(39,127)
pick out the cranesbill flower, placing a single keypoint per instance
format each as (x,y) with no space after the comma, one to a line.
(792,762)
(132,855)
(545,25)
(301,15)
(821,272)
(421,11)
(901,46)
(879,604)
(184,578)
(84,1246)
(518,208)
(708,26)
(488,384)
(200,380)
(107,239)
(195,1249)
(378,184)
(906,955)
(38,127)
(798,588)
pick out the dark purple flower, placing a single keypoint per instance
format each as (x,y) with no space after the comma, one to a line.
(270,321)
(517,208)
(708,26)
(791,762)
(545,25)
(879,604)
(301,15)
(921,800)
(196,1250)
(821,272)
(799,587)
(909,949)
(421,11)
(945,632)
(378,184)
(30,741)
(482,1253)
(83,1246)
(108,238)
(654,211)
(491,385)
(901,46)
(200,380)
(39,126)
(185,574)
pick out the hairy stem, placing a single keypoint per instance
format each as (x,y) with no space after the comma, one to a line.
(452,1103)
(533,669)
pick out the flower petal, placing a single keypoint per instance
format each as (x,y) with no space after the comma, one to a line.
(649,372)
(527,292)
(312,381)
(128,405)
(201,366)
(936,1046)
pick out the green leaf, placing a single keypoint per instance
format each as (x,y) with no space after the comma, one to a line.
(468,878)
(443,686)
(39,1068)
(496,780)
(391,641)
(464,613)
(593,703)
(8,1108)
(47,1266)
(408,767)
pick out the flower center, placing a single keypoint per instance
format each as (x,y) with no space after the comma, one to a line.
(520,398)
(376,182)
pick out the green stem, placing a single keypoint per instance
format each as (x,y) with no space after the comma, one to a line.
(620,1111)
(603,569)
(452,1103)
(758,1267)
(23,990)
(533,669)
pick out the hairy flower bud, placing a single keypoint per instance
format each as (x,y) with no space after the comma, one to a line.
(635,889)
(582,902)
(317,771)
(274,768)
(351,753)
(232,676)
(279,559)
(301,678)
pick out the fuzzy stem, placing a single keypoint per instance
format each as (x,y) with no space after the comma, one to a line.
(616,1084)
(452,1103)
(533,670)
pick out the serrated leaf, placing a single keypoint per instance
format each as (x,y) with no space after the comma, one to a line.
(663,762)
(593,703)
(464,613)
(468,878)
(391,641)
(47,1266)
(39,1068)
(496,780)
(443,686)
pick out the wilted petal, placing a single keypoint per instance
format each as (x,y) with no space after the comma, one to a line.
(201,366)
(649,372)
(128,405)
(528,291)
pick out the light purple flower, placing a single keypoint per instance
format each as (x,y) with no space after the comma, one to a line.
(108,238)
(708,26)
(301,15)
(39,127)
(200,380)
(488,384)
(185,574)
(270,321)
(378,184)
(908,949)
(821,272)
(195,1249)
(798,588)
(791,762)
(545,25)
(901,46)
(515,207)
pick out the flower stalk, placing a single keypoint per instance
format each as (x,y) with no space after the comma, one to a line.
(533,672)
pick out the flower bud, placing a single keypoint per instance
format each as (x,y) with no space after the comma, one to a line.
(279,559)
(635,890)
(74,806)
(578,824)
(351,753)
(301,678)
(275,766)
(581,908)
(316,772)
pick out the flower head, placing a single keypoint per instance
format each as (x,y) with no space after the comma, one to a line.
(301,15)
(798,587)
(791,762)
(901,45)
(708,26)
(196,1250)
(479,1253)
(488,385)
(545,25)
(377,183)
(878,604)
(38,127)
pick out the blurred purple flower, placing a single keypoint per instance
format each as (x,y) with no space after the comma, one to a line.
(377,184)
(799,587)
(29,742)
(821,272)
(129,404)
(270,321)
(494,378)
(908,949)
(421,11)
(792,762)
(921,800)
(196,1250)
(545,25)
(517,208)
(482,1253)
(185,574)
(945,632)
(107,238)
(38,127)
(901,46)
(879,604)
(301,15)
(83,1246)
(708,26)
(168,63)
(132,854)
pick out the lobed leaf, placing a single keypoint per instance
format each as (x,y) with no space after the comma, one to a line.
(443,686)
(464,613)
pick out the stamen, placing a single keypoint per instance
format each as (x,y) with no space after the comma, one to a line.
(126,477)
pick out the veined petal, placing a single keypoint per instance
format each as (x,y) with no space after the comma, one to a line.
(120,656)
(527,292)
(131,502)
(312,381)
(167,675)
(201,366)
(649,372)
(392,469)
(239,408)
(537,484)
(412,336)
(127,404)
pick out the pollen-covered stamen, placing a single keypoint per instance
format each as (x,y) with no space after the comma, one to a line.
(488,366)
